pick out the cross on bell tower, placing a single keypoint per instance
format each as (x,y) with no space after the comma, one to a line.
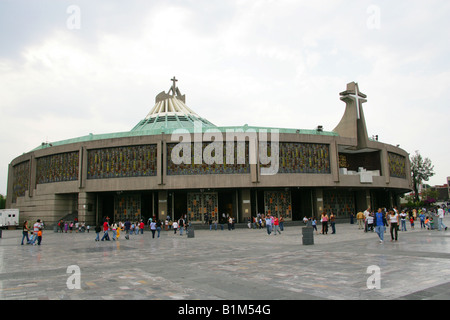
(353,124)
(354,94)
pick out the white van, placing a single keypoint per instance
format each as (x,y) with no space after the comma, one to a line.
(9,217)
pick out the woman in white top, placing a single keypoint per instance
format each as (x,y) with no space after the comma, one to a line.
(393,221)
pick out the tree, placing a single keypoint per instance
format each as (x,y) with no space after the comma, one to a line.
(429,196)
(421,170)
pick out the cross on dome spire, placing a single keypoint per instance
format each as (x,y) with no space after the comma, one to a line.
(174,86)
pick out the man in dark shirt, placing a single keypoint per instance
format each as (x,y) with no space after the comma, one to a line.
(127,226)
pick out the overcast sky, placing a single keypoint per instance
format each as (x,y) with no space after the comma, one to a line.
(70,68)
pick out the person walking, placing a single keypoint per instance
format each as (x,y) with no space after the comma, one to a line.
(105,231)
(97,231)
(333,223)
(175,226)
(25,231)
(158,227)
(324,220)
(422,219)
(403,220)
(370,221)
(380,224)
(411,221)
(268,224)
(114,230)
(314,224)
(127,227)
(141,227)
(39,237)
(36,227)
(181,225)
(153,228)
(360,219)
(440,214)
(276,226)
(119,228)
(393,221)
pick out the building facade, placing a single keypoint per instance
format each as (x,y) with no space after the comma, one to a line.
(174,162)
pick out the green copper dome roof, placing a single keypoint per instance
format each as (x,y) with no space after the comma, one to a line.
(170,113)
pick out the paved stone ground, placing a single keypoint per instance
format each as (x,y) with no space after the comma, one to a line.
(241,264)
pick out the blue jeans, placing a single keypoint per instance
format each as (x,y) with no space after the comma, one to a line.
(158,230)
(403,225)
(25,235)
(440,223)
(380,231)
(33,239)
(269,229)
(105,236)
(97,238)
(276,229)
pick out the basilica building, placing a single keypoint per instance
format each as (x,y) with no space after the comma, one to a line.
(175,163)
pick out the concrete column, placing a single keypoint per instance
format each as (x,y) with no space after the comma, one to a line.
(82,167)
(9,189)
(246,206)
(32,180)
(385,165)
(162,205)
(334,161)
(318,202)
(363,200)
(86,208)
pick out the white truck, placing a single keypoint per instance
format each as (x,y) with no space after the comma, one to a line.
(9,218)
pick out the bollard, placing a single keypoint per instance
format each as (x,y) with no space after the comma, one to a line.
(190,231)
(308,235)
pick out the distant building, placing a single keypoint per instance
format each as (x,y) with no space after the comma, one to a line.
(443,192)
(148,172)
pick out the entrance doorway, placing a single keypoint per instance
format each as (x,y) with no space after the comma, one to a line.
(202,205)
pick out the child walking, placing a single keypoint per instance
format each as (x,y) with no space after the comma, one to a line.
(39,237)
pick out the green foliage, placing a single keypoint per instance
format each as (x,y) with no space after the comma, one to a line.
(412,203)
(421,170)
(2,202)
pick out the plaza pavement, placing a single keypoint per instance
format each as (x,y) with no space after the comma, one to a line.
(241,264)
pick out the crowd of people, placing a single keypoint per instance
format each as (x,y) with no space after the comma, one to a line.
(396,220)
(326,221)
(36,232)
(378,221)
(368,220)
(272,224)
(72,226)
